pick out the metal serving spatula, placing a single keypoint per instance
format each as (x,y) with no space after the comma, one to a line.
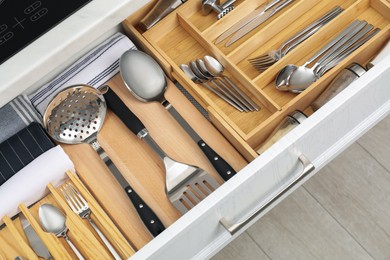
(185,185)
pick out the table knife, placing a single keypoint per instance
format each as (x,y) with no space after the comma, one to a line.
(35,242)
(247,19)
(257,21)
(124,113)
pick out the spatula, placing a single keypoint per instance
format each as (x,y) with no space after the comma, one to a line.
(185,185)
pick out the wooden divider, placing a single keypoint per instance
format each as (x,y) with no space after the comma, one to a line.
(197,38)
(81,234)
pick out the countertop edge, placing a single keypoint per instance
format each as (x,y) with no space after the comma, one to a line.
(62,44)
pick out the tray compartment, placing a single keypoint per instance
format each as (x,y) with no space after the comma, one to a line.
(262,45)
(189,38)
(80,233)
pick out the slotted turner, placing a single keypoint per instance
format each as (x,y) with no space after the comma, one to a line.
(185,185)
(74,116)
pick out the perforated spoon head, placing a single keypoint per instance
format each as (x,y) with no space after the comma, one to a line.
(75,114)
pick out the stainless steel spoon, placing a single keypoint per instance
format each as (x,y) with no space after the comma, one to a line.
(217,69)
(189,73)
(297,78)
(202,67)
(222,88)
(53,221)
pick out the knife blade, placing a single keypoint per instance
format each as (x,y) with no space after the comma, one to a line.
(247,19)
(35,242)
(256,22)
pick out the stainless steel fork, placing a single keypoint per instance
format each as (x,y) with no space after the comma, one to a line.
(80,206)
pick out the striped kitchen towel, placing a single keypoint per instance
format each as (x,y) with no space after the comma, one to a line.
(21,149)
(95,68)
(16,115)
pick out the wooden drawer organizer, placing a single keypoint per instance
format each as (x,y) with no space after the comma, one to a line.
(185,35)
(14,242)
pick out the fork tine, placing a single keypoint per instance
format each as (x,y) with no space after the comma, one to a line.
(84,202)
(68,200)
(258,57)
(262,61)
(263,67)
(74,197)
(267,57)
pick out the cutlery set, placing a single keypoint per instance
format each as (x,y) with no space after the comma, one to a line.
(297,78)
(266,60)
(210,70)
(68,220)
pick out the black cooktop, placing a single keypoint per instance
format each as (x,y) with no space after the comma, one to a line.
(23,21)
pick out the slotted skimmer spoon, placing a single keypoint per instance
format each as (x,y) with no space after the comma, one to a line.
(186,185)
(74,116)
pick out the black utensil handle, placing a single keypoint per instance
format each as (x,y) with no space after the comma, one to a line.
(146,214)
(150,219)
(222,167)
(123,112)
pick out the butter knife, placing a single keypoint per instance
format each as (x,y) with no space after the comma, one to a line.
(34,240)
(247,19)
(257,21)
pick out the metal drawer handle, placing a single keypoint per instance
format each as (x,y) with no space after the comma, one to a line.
(308,167)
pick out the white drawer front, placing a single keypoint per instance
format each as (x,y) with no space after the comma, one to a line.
(325,134)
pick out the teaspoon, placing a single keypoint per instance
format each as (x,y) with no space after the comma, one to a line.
(215,68)
(53,221)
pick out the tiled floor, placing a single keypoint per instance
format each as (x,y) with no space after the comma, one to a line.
(343,212)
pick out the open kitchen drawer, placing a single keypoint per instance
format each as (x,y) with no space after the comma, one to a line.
(186,35)
(306,149)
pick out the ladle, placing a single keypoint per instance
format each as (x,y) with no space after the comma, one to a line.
(53,221)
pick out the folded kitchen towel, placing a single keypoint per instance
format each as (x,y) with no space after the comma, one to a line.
(21,149)
(16,115)
(29,185)
(95,68)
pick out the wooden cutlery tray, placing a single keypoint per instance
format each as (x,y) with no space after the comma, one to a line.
(14,242)
(186,34)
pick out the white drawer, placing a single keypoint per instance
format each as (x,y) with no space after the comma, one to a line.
(199,233)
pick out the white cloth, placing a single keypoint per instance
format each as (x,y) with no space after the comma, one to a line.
(29,185)
(94,69)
